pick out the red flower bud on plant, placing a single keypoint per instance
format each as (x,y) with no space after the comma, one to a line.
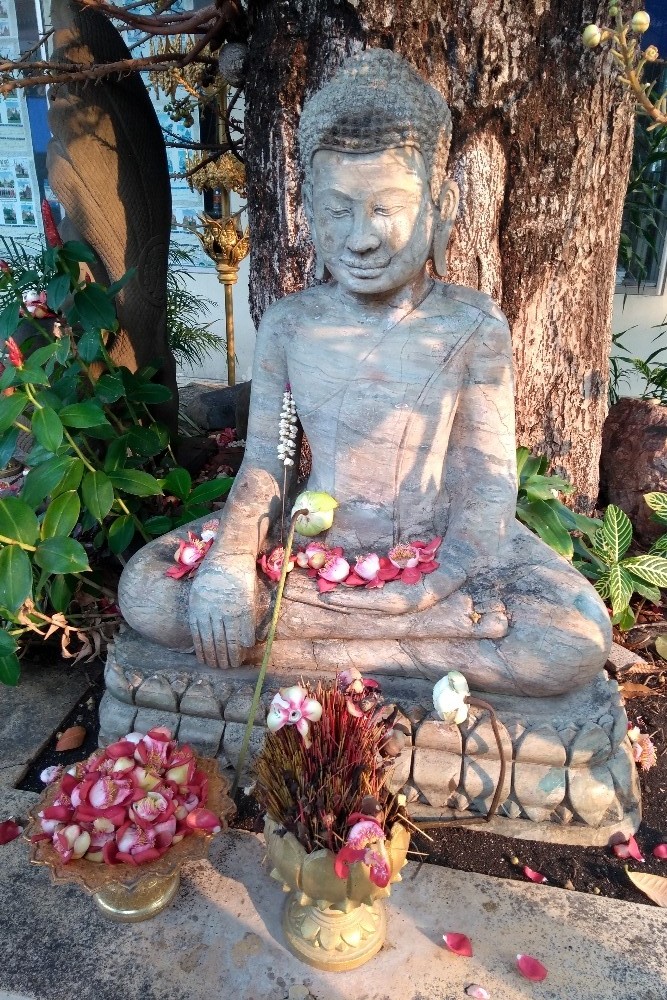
(53,237)
(14,352)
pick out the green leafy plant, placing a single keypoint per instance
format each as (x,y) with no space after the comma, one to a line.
(190,339)
(99,465)
(540,508)
(617,577)
(641,241)
(653,370)
(658,504)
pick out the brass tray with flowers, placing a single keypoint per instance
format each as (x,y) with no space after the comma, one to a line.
(123,822)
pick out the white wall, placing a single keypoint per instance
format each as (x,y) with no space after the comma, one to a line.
(642,313)
(206,284)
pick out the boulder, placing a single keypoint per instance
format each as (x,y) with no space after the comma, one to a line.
(634,461)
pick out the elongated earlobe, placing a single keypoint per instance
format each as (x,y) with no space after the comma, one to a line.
(449,204)
(319,267)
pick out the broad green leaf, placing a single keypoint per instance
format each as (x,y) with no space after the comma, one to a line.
(603,587)
(158,525)
(77,252)
(211,490)
(661,647)
(44,478)
(89,346)
(7,643)
(579,522)
(61,590)
(178,482)
(116,286)
(658,504)
(149,392)
(47,428)
(616,532)
(61,515)
(121,533)
(64,346)
(646,589)
(71,479)
(653,569)
(42,355)
(9,320)
(546,487)
(542,519)
(81,415)
(620,588)
(18,521)
(62,555)
(145,441)
(31,375)
(10,669)
(116,454)
(8,378)
(530,467)
(15,578)
(11,408)
(109,388)
(97,493)
(660,546)
(625,619)
(57,291)
(96,310)
(8,445)
(136,482)
(191,513)
(521,456)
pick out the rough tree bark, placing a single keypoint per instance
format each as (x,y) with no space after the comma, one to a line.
(541,150)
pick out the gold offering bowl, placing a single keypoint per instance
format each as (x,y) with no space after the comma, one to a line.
(125,892)
(331,923)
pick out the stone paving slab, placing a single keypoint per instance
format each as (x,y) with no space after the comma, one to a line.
(221,938)
(31,712)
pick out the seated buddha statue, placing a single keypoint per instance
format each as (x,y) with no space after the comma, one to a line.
(403,386)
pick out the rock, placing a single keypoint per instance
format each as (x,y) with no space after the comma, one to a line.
(634,461)
(217,408)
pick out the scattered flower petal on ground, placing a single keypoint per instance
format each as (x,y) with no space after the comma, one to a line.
(51,774)
(534,876)
(531,968)
(477,991)
(629,849)
(9,830)
(660,851)
(459,944)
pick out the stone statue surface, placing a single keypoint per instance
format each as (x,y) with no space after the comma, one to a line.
(403,386)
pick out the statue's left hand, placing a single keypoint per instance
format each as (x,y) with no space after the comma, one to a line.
(398,598)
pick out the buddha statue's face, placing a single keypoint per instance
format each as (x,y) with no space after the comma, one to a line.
(373,217)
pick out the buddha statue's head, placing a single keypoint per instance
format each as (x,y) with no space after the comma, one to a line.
(374,143)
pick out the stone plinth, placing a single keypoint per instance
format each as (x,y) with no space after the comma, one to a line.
(570,774)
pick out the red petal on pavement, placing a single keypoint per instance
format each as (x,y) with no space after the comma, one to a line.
(630,849)
(459,944)
(660,851)
(533,875)
(9,830)
(530,968)
(388,572)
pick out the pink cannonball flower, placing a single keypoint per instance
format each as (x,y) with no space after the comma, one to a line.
(368,566)
(335,569)
(51,774)
(293,706)
(149,808)
(404,556)
(106,792)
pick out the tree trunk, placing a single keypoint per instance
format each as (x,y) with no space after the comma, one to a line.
(541,150)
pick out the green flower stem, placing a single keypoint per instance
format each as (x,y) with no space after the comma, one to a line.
(137,523)
(72,443)
(13,541)
(267,654)
(96,586)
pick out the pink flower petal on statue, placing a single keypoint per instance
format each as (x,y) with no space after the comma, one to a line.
(9,830)
(477,991)
(404,556)
(176,572)
(354,581)
(380,872)
(459,944)
(630,849)
(377,582)
(325,585)
(426,552)
(660,851)
(335,570)
(367,566)
(353,709)
(272,564)
(388,573)
(412,574)
(429,567)
(533,875)
(364,833)
(531,968)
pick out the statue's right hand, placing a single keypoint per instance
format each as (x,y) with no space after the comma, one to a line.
(222,609)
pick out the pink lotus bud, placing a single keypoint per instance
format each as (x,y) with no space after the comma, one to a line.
(368,566)
(203,819)
(335,569)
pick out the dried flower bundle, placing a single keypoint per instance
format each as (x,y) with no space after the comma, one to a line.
(314,787)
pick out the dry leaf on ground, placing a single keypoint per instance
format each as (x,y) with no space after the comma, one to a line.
(653,886)
(632,690)
(72,738)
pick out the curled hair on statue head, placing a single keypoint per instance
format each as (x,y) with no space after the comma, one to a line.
(377,101)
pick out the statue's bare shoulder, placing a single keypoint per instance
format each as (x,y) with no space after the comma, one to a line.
(491,327)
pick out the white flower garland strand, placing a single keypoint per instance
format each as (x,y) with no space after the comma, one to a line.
(286,443)
(288,429)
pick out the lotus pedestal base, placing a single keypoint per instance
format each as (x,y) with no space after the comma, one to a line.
(333,940)
(149,897)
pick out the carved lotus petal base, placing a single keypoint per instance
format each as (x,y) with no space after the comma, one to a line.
(332,940)
(149,897)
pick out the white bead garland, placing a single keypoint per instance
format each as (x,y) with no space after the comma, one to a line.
(288,429)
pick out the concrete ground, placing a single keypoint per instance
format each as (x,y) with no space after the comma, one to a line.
(221,937)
